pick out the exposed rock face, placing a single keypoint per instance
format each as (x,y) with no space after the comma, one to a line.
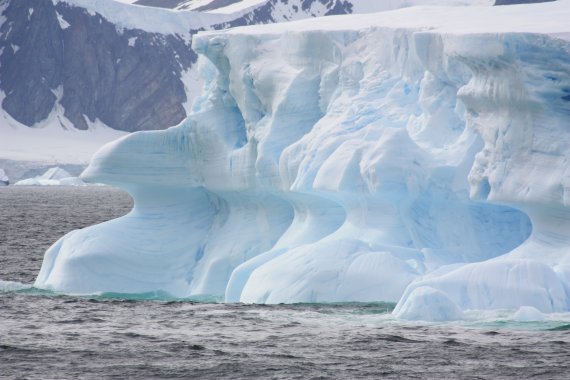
(268,13)
(31,62)
(128,79)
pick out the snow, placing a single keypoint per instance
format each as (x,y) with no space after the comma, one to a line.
(51,142)
(360,6)
(240,6)
(523,18)
(62,23)
(132,41)
(3,6)
(150,19)
(416,156)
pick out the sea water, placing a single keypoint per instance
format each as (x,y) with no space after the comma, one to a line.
(51,336)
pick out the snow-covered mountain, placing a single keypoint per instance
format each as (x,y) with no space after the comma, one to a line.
(72,65)
(417,155)
(127,67)
(82,71)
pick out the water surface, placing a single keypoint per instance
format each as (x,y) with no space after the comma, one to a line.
(45,335)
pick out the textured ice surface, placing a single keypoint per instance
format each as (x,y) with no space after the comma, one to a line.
(417,156)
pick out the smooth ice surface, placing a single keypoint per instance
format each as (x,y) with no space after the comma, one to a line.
(417,156)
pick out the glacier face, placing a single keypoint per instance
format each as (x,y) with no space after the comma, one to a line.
(417,156)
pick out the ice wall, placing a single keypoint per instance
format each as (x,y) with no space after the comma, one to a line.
(404,154)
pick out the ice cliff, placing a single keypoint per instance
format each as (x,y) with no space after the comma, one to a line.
(416,156)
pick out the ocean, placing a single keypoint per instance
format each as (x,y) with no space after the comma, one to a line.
(44,335)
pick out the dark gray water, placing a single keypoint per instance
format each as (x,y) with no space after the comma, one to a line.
(48,336)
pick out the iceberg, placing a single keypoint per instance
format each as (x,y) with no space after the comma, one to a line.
(428,304)
(55,176)
(528,314)
(4,180)
(417,156)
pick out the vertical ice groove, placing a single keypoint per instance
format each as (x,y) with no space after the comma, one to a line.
(511,104)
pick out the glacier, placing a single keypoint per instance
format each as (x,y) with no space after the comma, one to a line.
(416,156)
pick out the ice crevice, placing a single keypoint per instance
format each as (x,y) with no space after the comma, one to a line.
(357,163)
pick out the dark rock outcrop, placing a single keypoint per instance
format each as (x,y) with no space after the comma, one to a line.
(265,13)
(31,42)
(128,79)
